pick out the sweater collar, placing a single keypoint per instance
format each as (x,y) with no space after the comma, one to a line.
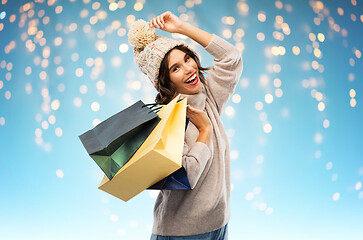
(197,100)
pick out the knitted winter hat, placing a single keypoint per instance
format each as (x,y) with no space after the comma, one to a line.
(149,49)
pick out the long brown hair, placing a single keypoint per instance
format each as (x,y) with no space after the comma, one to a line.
(165,86)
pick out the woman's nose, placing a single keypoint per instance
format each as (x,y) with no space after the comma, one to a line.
(187,68)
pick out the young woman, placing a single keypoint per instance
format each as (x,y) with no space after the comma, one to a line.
(204,211)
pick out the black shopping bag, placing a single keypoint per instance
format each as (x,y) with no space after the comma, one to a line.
(113,142)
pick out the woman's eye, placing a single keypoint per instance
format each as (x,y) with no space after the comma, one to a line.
(176,68)
(187,59)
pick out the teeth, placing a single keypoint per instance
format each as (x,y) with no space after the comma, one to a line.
(191,79)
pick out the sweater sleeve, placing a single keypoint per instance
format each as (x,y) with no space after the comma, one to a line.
(195,159)
(224,75)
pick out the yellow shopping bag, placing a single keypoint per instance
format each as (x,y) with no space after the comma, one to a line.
(158,157)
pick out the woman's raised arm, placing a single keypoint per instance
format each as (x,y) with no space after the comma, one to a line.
(172,24)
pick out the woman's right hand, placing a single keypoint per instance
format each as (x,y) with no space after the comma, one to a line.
(201,121)
(167,22)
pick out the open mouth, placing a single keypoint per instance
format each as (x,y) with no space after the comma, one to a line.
(192,80)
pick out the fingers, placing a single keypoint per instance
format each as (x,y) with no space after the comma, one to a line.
(190,109)
(154,23)
(189,112)
(198,117)
(188,115)
(193,111)
(166,15)
(159,21)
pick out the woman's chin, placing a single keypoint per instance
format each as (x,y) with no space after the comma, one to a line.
(194,89)
(191,89)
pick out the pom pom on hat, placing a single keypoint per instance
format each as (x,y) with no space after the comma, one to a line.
(141,34)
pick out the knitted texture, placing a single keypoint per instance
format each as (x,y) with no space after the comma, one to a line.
(206,207)
(149,49)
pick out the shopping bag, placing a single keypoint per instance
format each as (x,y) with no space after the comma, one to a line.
(113,142)
(177,180)
(158,157)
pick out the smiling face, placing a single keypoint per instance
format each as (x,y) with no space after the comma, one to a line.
(183,72)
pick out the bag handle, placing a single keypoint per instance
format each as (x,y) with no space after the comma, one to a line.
(156,107)
(150,105)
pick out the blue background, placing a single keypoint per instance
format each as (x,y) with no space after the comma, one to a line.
(302,180)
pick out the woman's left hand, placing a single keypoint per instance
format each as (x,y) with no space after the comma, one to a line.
(167,22)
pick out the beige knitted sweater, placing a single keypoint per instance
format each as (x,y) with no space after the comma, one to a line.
(207,206)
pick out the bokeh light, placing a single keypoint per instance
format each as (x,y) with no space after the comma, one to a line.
(59,173)
(123,48)
(95,106)
(267,128)
(268,98)
(261,17)
(61,61)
